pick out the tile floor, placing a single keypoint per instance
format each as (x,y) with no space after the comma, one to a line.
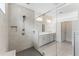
(51,49)
(59,49)
(28,52)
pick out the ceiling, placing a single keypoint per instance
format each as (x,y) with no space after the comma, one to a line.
(41,8)
(69,8)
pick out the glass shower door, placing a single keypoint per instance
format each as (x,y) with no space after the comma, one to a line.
(55,31)
(67,17)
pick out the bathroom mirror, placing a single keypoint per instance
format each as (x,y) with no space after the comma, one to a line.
(43,27)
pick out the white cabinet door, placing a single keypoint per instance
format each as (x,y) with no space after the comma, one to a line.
(46,38)
(51,37)
(40,40)
(43,39)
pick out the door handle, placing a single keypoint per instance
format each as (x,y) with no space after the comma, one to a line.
(74,43)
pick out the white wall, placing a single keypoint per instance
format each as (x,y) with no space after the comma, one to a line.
(16,40)
(58,32)
(51,27)
(9,53)
(3,33)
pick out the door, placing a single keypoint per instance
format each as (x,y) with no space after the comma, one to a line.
(66,31)
(63,31)
(69,31)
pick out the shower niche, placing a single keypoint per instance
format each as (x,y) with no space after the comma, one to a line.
(14,28)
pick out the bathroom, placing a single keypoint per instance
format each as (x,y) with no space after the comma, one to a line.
(45,29)
(45,32)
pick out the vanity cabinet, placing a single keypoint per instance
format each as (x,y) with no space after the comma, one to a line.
(45,38)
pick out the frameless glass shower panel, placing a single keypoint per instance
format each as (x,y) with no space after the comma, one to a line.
(66,16)
(45,26)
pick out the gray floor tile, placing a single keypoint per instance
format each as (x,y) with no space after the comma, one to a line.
(28,52)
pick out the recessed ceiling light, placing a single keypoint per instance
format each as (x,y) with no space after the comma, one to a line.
(39,19)
(48,21)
